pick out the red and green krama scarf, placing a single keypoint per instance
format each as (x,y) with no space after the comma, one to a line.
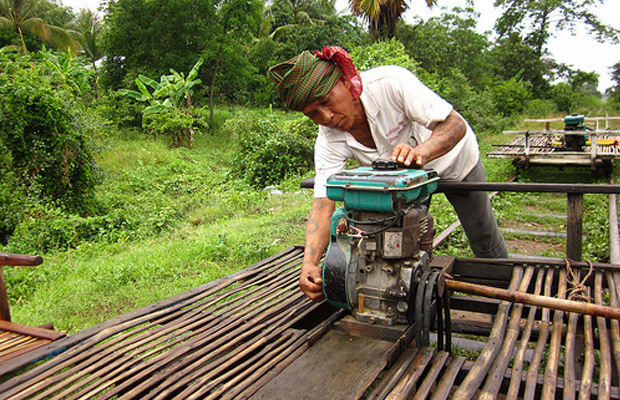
(308,77)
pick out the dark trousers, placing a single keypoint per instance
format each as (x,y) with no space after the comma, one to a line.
(476,216)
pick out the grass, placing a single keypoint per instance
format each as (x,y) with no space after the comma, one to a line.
(185,221)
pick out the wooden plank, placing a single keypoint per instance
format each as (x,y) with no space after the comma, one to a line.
(393,375)
(351,326)
(161,309)
(585,387)
(406,385)
(98,343)
(574,226)
(20,260)
(119,354)
(535,233)
(353,364)
(570,380)
(5,311)
(517,365)
(612,279)
(37,332)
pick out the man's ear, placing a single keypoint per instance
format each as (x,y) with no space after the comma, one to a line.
(347,83)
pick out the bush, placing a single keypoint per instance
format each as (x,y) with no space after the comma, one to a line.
(511,96)
(383,53)
(270,150)
(40,130)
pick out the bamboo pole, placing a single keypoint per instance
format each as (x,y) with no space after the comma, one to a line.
(531,380)
(604,380)
(468,388)
(541,301)
(497,372)
(585,389)
(615,325)
(553,359)
(570,382)
(517,365)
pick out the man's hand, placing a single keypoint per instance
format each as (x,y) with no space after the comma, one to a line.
(311,282)
(317,238)
(407,155)
(445,136)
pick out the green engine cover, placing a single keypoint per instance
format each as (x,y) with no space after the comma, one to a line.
(574,119)
(381,190)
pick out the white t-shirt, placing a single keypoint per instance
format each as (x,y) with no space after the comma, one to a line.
(399,109)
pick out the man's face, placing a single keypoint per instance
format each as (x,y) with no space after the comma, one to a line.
(335,110)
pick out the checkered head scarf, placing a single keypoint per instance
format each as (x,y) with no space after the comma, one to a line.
(307,77)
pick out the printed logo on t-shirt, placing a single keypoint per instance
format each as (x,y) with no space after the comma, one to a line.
(394,133)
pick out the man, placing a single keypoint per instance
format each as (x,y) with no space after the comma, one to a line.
(386,112)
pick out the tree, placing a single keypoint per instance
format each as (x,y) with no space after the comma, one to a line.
(25,17)
(88,29)
(449,42)
(288,12)
(151,37)
(511,56)
(537,19)
(233,26)
(614,92)
(382,15)
(579,80)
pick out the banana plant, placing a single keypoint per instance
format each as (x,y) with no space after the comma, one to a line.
(169,109)
(171,94)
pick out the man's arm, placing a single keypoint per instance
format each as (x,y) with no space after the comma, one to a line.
(445,136)
(317,238)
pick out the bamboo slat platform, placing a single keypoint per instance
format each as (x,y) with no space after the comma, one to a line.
(253,335)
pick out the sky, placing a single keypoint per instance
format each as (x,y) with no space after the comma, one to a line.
(580,51)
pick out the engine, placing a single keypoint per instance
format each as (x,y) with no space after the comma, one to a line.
(381,241)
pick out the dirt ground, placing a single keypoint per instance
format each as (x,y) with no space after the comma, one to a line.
(535,248)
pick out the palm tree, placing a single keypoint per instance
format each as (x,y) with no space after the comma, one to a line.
(24,17)
(300,12)
(382,15)
(88,27)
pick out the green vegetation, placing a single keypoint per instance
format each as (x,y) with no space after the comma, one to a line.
(136,182)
